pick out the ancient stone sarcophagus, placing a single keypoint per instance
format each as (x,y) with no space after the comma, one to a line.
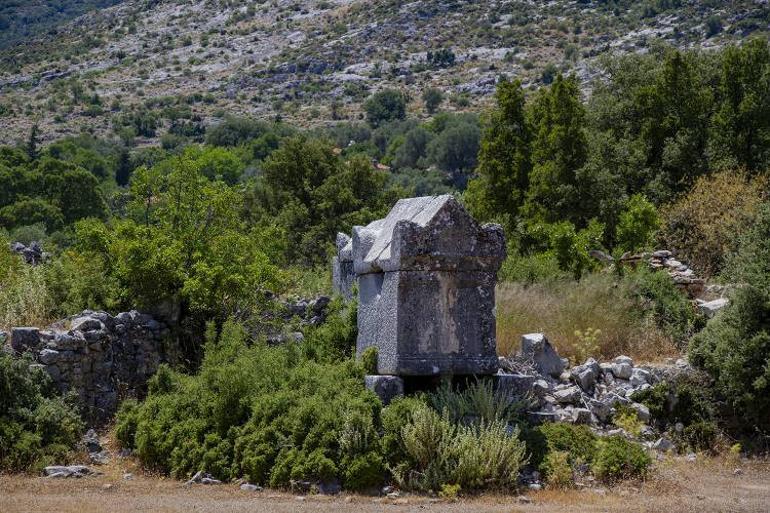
(426,277)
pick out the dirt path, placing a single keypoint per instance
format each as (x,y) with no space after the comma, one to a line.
(707,486)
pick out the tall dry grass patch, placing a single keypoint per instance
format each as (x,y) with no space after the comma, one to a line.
(560,309)
(24,298)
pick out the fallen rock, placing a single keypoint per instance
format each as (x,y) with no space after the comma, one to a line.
(710,308)
(76,471)
(663,444)
(537,347)
(567,394)
(203,478)
(248,487)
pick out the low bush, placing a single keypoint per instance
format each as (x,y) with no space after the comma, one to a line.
(38,427)
(274,415)
(440,452)
(685,399)
(479,402)
(617,458)
(270,415)
(557,470)
(669,309)
(578,441)
(628,420)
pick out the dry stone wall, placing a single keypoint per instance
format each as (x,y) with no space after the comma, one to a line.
(100,357)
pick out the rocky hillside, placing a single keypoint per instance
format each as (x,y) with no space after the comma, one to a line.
(315,61)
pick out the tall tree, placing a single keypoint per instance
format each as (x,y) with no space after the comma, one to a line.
(742,122)
(504,165)
(559,150)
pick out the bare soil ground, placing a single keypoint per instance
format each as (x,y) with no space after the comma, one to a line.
(708,485)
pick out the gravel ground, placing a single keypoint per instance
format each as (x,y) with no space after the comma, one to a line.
(678,486)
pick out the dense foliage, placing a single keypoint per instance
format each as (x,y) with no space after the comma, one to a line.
(735,346)
(37,426)
(567,177)
(276,415)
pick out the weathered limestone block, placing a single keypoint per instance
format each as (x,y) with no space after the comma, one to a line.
(343,275)
(426,278)
(514,385)
(387,388)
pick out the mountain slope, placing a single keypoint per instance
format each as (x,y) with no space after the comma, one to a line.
(23,19)
(312,61)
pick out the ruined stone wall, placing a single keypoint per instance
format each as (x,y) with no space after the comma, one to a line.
(100,357)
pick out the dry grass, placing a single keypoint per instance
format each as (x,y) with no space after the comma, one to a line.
(709,485)
(24,299)
(559,309)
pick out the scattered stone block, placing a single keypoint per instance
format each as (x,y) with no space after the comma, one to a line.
(710,308)
(514,385)
(581,416)
(567,394)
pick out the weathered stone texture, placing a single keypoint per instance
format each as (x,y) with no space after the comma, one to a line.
(100,357)
(426,278)
(343,275)
(387,388)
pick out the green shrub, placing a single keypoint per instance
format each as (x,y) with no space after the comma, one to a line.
(686,400)
(395,417)
(637,225)
(557,470)
(37,426)
(578,441)
(268,414)
(472,457)
(700,436)
(618,458)
(669,308)
(386,105)
(478,402)
(628,420)
(734,348)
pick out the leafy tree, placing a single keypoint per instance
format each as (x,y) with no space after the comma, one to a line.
(311,192)
(454,150)
(386,105)
(413,148)
(637,225)
(234,131)
(433,97)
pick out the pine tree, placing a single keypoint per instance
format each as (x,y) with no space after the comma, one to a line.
(504,165)
(33,142)
(559,150)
